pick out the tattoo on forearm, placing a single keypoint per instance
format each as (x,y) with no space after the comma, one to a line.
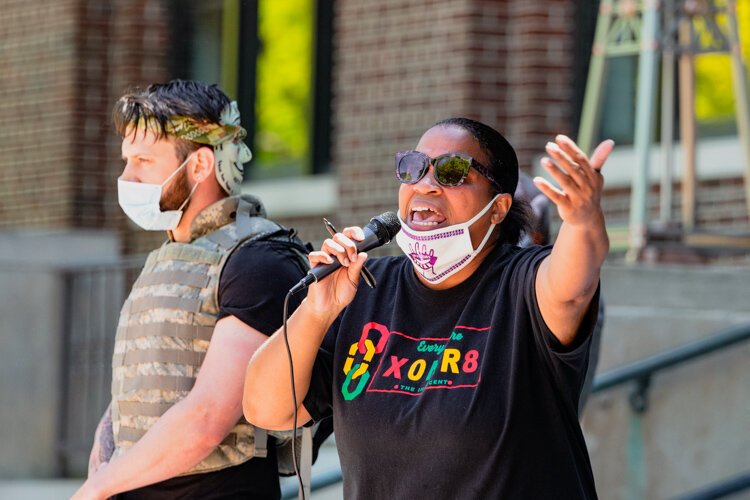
(104,443)
(106,438)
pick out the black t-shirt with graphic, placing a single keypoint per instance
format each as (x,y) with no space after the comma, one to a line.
(459,393)
(252,288)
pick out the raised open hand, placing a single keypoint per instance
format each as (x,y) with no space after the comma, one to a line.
(581,183)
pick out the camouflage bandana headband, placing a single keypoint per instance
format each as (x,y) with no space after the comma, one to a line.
(208,133)
(225,137)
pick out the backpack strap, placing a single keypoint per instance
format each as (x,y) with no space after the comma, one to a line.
(260,442)
(252,226)
(288,238)
(306,448)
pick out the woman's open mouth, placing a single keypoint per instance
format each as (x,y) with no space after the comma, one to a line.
(424,217)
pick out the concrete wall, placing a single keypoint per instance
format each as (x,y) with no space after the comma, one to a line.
(695,429)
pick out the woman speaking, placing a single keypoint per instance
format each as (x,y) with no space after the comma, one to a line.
(458,376)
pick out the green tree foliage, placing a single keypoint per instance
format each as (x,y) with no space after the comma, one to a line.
(284,82)
(714,88)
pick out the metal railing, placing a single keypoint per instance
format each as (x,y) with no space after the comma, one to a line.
(92,296)
(721,489)
(642,371)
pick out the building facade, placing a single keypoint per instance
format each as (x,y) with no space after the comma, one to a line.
(375,77)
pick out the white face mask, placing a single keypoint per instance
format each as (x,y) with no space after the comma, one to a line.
(440,253)
(140,202)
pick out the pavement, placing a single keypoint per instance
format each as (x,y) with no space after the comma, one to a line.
(58,489)
(38,489)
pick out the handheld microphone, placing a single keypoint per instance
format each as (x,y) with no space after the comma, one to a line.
(379,231)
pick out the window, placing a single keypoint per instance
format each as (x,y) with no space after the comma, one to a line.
(714,102)
(273,57)
(618,117)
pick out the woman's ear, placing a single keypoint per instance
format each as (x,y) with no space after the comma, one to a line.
(501,207)
(203,164)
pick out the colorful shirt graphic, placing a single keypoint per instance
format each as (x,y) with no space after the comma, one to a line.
(389,361)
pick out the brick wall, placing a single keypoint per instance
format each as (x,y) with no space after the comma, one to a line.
(65,63)
(398,67)
(520,62)
(123,43)
(37,85)
(401,66)
(720,205)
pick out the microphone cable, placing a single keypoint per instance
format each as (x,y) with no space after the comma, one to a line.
(382,228)
(295,463)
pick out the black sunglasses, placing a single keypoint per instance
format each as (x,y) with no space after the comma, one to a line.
(450,169)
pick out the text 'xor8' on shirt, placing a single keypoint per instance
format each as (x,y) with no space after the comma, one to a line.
(459,393)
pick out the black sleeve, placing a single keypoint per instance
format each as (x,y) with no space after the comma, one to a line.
(254,283)
(568,363)
(524,278)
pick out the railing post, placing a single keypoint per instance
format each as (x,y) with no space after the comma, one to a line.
(644,125)
(63,381)
(639,396)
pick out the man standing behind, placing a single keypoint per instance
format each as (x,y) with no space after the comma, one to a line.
(202,305)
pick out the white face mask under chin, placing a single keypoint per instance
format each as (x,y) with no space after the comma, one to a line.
(440,253)
(140,202)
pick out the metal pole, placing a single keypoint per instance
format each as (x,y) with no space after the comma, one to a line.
(644,121)
(64,389)
(687,122)
(667,122)
(592,101)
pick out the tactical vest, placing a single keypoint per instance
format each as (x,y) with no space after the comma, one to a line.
(167,321)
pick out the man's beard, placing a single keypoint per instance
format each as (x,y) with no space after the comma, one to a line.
(175,193)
